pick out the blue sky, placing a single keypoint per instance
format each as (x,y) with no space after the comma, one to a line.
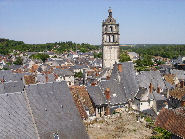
(141,21)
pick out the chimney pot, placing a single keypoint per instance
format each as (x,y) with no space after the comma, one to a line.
(182,84)
(93,84)
(120,67)
(108,77)
(151,88)
(158,90)
(94,68)
(107,94)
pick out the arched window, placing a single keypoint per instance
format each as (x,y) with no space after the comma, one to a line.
(111,29)
(112,38)
(109,38)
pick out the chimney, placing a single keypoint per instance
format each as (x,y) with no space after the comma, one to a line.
(46,77)
(108,77)
(182,84)
(56,76)
(151,88)
(94,68)
(93,84)
(120,67)
(107,94)
(158,90)
(107,110)
(97,74)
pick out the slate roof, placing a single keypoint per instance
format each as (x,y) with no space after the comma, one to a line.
(154,77)
(96,95)
(54,111)
(169,86)
(150,112)
(11,87)
(172,120)
(180,74)
(51,77)
(160,100)
(41,78)
(15,119)
(118,95)
(128,79)
(8,75)
(44,109)
(141,93)
(63,72)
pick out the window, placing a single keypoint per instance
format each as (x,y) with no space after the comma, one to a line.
(112,38)
(56,136)
(111,29)
(109,38)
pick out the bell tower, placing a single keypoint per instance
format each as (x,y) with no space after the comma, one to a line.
(110,41)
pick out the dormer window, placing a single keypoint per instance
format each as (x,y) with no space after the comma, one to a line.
(56,136)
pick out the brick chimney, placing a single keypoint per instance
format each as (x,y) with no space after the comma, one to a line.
(97,74)
(93,84)
(46,77)
(107,94)
(151,88)
(182,84)
(56,76)
(158,90)
(94,68)
(120,67)
(108,77)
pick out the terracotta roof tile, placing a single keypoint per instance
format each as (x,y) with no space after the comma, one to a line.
(29,79)
(169,78)
(82,100)
(177,93)
(172,120)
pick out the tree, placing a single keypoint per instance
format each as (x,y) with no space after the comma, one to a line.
(19,61)
(40,56)
(124,57)
(78,74)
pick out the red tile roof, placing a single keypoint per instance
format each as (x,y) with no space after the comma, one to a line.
(172,120)
(82,100)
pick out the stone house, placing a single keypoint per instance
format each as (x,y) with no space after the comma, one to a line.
(64,75)
(98,100)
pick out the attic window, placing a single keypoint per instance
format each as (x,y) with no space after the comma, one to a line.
(56,136)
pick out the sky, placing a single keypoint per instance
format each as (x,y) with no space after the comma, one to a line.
(141,21)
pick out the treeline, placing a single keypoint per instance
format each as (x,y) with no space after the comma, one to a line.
(167,51)
(7,46)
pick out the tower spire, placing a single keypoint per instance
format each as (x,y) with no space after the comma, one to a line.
(110,12)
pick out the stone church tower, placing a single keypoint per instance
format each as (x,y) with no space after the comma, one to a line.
(110,41)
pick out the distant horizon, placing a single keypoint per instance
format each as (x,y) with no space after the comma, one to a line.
(141,22)
(101,44)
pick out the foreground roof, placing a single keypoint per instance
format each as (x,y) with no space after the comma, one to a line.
(172,120)
(41,111)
